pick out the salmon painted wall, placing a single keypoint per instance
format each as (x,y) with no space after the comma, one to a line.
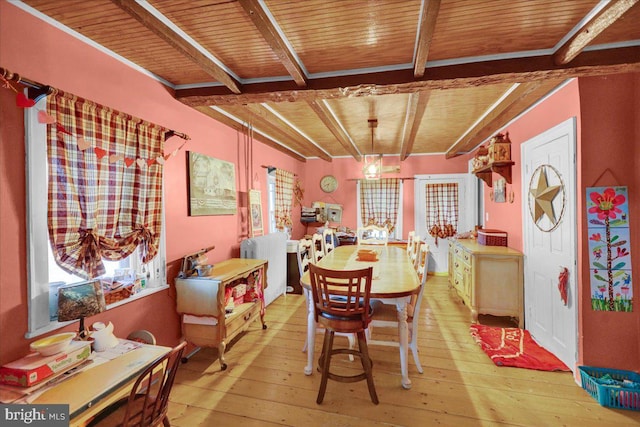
(347,171)
(559,107)
(610,108)
(40,52)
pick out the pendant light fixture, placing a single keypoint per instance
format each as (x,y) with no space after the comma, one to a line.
(372,168)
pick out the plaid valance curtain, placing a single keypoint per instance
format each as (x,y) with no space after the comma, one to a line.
(102,202)
(442,210)
(379,202)
(284,197)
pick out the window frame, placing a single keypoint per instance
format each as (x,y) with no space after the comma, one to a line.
(38,236)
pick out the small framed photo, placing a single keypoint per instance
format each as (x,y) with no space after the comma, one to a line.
(499,194)
(255,213)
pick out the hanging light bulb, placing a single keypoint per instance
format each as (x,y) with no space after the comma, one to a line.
(372,168)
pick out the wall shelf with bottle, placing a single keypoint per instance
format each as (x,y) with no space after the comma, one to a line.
(495,159)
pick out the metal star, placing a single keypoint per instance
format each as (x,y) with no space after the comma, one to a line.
(543,196)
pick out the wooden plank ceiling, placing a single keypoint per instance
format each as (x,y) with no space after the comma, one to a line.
(440,76)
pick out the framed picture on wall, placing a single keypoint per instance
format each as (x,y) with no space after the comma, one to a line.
(255,213)
(212,186)
(500,195)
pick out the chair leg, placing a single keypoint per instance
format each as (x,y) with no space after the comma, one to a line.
(416,359)
(352,345)
(325,362)
(367,365)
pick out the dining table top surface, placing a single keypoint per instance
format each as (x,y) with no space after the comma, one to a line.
(393,273)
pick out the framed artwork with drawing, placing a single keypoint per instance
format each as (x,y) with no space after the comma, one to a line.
(255,213)
(212,186)
(499,195)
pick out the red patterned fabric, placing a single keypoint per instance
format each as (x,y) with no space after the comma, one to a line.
(284,197)
(442,210)
(101,206)
(379,202)
(514,347)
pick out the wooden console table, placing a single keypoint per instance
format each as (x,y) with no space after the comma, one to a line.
(488,279)
(201,302)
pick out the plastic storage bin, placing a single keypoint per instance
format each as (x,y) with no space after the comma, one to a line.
(612,396)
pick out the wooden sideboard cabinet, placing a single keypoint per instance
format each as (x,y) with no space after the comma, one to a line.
(201,303)
(488,279)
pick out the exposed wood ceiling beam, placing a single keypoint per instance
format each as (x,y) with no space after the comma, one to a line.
(270,123)
(271,35)
(590,30)
(330,122)
(516,70)
(177,42)
(415,110)
(240,127)
(425,35)
(521,98)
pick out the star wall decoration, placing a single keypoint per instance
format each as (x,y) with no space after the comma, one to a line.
(542,197)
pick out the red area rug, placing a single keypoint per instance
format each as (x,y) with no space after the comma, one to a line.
(514,347)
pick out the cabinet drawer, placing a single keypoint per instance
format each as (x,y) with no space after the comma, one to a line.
(243,315)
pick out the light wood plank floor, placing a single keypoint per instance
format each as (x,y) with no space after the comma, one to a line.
(265,385)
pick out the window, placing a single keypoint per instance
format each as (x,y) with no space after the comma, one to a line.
(42,269)
(382,201)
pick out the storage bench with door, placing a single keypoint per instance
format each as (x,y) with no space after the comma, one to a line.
(201,302)
(488,279)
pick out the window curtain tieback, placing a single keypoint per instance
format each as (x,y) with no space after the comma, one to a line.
(89,258)
(147,242)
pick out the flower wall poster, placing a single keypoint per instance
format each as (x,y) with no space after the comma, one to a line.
(609,249)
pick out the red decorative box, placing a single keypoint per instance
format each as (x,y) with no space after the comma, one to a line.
(492,237)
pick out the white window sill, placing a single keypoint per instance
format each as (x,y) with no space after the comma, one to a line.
(52,326)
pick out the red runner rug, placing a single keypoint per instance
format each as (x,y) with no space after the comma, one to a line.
(514,347)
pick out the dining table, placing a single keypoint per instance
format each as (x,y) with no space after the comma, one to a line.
(394,281)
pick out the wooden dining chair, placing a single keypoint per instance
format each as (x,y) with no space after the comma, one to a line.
(341,304)
(304,259)
(317,248)
(386,315)
(143,336)
(148,401)
(410,238)
(414,253)
(372,235)
(328,239)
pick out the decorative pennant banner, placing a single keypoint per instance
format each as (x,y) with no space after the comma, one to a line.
(23,101)
(83,144)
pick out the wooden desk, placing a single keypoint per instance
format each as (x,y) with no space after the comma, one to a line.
(394,281)
(93,389)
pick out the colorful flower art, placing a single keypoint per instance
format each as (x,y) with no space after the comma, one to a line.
(609,249)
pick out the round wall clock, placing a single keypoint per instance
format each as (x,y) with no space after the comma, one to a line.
(329,183)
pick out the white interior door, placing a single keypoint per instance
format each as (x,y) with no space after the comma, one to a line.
(467,209)
(548,248)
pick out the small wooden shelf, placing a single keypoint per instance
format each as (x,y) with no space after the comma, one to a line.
(501,168)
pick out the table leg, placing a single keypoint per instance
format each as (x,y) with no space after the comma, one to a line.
(311,333)
(403,336)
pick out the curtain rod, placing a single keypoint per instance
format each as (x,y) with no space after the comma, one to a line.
(363,179)
(273,167)
(37,90)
